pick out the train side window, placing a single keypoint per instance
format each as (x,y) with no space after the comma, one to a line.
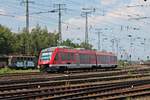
(99,58)
(84,59)
(108,59)
(17,59)
(103,59)
(69,56)
(72,56)
(22,58)
(56,57)
(88,59)
(32,59)
(63,56)
(92,57)
(114,59)
(81,58)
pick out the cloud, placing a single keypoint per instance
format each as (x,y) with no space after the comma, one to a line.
(2,11)
(76,21)
(120,14)
(112,19)
(21,18)
(125,13)
(108,2)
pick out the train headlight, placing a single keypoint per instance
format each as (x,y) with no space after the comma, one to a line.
(38,67)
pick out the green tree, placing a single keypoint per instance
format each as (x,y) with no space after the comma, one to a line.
(42,39)
(22,42)
(69,43)
(6,40)
(33,42)
(86,46)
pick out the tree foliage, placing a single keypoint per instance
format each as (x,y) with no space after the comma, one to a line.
(31,43)
(86,45)
(69,43)
(6,40)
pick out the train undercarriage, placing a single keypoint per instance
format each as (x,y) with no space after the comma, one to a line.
(47,68)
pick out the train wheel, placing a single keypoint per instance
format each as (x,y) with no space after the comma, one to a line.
(61,69)
(94,68)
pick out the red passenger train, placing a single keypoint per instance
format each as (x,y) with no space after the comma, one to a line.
(60,59)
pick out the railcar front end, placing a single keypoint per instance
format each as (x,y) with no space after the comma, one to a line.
(46,58)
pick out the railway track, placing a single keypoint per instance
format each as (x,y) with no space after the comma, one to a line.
(15,76)
(76,86)
(34,80)
(66,92)
(68,81)
(113,91)
(38,77)
(75,91)
(102,81)
(116,93)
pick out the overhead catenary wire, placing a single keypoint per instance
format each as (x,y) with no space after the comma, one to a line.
(72,3)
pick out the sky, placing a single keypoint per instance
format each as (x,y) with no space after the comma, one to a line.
(123,24)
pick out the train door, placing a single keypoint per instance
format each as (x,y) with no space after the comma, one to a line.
(77,60)
(56,59)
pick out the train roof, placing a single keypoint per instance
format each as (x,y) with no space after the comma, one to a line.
(80,50)
(53,48)
(105,53)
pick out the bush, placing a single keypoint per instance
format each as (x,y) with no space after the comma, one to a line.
(8,70)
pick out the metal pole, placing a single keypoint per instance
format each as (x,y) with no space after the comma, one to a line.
(59,9)
(117,47)
(85,13)
(27,16)
(59,26)
(99,47)
(26,47)
(86,28)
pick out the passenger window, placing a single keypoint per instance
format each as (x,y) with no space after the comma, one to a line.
(72,56)
(56,57)
(68,56)
(63,57)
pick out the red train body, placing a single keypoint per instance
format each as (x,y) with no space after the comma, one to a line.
(60,59)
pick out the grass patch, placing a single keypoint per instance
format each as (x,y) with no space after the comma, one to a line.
(123,64)
(8,70)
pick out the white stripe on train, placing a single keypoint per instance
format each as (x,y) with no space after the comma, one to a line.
(81,65)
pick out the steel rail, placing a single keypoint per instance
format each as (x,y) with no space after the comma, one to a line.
(127,81)
(99,92)
(115,94)
(72,76)
(68,81)
(74,91)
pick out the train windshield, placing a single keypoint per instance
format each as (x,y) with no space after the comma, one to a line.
(46,55)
